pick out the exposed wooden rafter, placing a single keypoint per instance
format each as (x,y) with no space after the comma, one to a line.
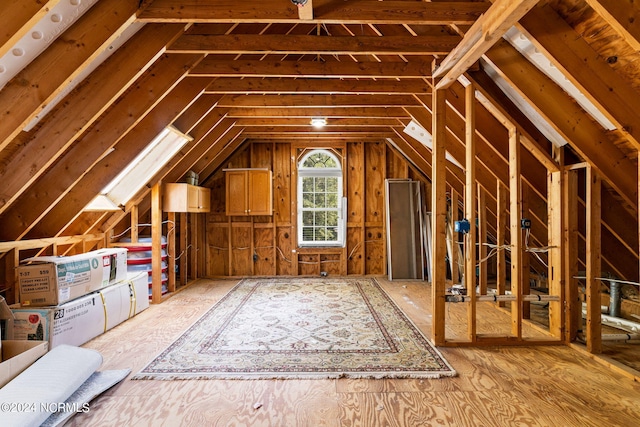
(483,34)
(623,16)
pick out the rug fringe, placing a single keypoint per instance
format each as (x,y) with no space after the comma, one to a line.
(314,376)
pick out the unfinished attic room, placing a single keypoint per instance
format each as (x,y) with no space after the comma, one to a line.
(319,213)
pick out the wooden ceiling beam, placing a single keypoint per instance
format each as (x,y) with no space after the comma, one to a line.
(353,135)
(312,101)
(315,45)
(213,66)
(483,34)
(310,130)
(324,11)
(326,112)
(83,106)
(230,85)
(18,18)
(586,69)
(623,16)
(67,56)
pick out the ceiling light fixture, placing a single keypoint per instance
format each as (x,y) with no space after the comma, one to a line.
(318,122)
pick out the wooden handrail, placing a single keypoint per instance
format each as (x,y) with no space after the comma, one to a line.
(48,241)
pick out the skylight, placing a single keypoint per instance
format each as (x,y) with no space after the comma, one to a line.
(137,173)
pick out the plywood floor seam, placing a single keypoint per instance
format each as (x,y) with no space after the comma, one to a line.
(542,386)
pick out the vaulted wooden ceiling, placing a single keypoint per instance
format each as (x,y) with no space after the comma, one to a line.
(228,72)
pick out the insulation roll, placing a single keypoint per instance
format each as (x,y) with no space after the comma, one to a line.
(32,396)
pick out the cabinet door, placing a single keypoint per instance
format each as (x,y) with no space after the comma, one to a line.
(204,199)
(192,198)
(260,193)
(236,197)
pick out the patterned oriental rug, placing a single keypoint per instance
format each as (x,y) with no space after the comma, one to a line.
(301,328)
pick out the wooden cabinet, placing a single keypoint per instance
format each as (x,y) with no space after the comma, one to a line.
(179,197)
(249,192)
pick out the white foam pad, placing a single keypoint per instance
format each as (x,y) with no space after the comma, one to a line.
(32,396)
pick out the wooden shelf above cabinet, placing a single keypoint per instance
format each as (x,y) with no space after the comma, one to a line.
(248,192)
(180,197)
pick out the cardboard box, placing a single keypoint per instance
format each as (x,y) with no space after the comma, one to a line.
(47,281)
(84,318)
(18,356)
(73,323)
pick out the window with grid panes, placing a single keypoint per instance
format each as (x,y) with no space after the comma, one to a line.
(320,221)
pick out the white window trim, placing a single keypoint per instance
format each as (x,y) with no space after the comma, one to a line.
(322,172)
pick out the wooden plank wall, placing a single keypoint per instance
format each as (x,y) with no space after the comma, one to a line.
(266,245)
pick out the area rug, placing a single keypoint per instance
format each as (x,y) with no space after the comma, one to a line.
(282,328)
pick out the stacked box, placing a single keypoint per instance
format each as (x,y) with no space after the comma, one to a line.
(48,281)
(73,323)
(84,318)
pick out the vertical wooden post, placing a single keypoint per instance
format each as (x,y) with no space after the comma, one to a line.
(570,231)
(184,249)
(482,239)
(293,220)
(470,208)
(455,247)
(516,233)
(193,259)
(501,237)
(11,262)
(438,217)
(156,243)
(134,224)
(171,251)
(525,269)
(593,258)
(555,207)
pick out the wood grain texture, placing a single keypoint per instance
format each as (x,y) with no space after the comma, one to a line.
(495,386)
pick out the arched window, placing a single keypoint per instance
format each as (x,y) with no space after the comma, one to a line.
(320,203)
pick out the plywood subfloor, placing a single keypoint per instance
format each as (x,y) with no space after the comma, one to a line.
(541,386)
